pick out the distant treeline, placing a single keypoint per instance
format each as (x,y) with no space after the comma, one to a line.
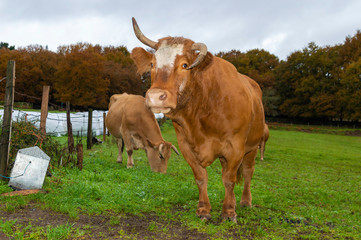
(313,83)
(83,74)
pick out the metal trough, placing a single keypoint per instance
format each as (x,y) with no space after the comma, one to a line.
(29,169)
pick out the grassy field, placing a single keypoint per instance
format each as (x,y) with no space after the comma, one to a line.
(308,187)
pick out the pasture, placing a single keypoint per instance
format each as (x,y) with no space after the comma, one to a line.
(308,187)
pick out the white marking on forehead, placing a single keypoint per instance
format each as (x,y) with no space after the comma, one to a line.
(166,54)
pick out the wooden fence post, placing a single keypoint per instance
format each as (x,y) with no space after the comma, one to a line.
(79,151)
(70,129)
(104,127)
(90,133)
(44,109)
(7,123)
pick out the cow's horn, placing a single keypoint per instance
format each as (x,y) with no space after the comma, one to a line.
(141,36)
(175,149)
(202,48)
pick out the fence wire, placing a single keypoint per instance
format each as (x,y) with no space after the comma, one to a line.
(56,123)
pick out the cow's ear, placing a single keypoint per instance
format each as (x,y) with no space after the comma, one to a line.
(150,143)
(142,59)
(154,145)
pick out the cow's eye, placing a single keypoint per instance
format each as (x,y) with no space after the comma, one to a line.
(184,65)
(151,64)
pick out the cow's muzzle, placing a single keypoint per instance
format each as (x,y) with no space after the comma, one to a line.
(158,101)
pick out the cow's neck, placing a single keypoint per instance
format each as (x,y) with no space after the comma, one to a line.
(196,103)
(151,133)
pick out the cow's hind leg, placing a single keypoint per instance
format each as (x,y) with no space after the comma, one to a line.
(247,172)
(120,144)
(263,148)
(229,178)
(130,163)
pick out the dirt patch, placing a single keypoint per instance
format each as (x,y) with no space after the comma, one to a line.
(314,129)
(353,133)
(110,226)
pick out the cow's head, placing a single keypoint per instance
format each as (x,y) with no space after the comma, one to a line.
(172,66)
(158,155)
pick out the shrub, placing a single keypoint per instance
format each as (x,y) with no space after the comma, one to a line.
(24,134)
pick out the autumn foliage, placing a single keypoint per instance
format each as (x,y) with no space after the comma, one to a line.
(315,82)
(83,74)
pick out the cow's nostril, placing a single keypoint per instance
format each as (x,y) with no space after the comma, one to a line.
(163,97)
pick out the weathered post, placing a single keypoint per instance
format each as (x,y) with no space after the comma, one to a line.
(8,109)
(104,127)
(44,109)
(79,150)
(90,133)
(70,129)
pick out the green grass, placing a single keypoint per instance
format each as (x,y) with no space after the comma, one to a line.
(308,187)
(19,231)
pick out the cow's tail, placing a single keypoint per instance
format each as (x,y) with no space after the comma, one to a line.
(239,174)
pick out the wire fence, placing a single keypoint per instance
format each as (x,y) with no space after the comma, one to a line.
(56,123)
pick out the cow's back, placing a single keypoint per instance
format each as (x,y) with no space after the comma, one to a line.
(247,96)
(127,112)
(258,120)
(239,98)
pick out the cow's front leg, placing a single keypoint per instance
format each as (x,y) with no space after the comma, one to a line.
(201,178)
(200,173)
(229,178)
(130,162)
(204,206)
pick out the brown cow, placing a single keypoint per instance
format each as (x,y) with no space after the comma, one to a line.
(132,123)
(216,112)
(262,145)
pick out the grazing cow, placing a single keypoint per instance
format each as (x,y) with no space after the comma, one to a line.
(264,139)
(132,123)
(216,112)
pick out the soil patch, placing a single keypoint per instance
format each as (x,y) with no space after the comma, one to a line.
(314,129)
(111,226)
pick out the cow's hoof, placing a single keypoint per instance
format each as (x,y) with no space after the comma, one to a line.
(245,204)
(130,166)
(119,161)
(232,219)
(205,218)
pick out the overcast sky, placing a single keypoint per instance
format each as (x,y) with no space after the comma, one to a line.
(278,26)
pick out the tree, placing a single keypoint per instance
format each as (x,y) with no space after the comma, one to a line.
(121,71)
(79,76)
(261,67)
(5,56)
(350,92)
(308,82)
(6,45)
(351,49)
(36,67)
